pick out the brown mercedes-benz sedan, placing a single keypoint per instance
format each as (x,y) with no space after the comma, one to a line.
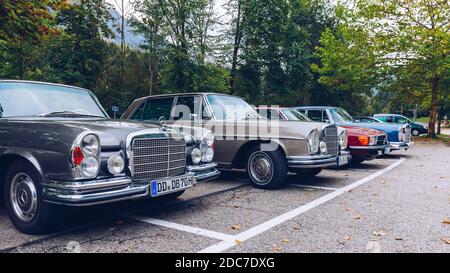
(267,149)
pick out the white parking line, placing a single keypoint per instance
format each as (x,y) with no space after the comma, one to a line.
(189,229)
(252,232)
(313,187)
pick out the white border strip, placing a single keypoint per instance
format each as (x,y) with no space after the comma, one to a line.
(189,229)
(252,232)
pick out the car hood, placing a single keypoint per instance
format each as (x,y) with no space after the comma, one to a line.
(112,133)
(391,130)
(362,131)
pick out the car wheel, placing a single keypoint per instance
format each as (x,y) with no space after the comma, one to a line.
(415,132)
(266,169)
(23,199)
(311,172)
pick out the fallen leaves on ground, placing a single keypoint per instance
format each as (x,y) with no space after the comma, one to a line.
(446,221)
(398,238)
(296,227)
(238,242)
(379,233)
(285,241)
(236,227)
(277,249)
(357,216)
(447,241)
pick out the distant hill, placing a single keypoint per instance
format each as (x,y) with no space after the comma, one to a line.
(132,39)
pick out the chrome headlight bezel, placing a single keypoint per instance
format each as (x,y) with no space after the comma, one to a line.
(343,140)
(312,141)
(85,160)
(196,156)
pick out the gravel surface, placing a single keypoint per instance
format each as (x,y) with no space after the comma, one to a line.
(401,210)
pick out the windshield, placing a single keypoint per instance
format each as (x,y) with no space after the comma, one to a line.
(34,99)
(292,114)
(340,115)
(231,108)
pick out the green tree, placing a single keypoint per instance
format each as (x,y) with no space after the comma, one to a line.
(419,41)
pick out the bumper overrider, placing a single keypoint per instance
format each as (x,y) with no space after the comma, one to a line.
(401,145)
(100,191)
(312,161)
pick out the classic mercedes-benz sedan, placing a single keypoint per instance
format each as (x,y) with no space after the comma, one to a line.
(244,140)
(59,147)
(356,144)
(289,114)
(399,135)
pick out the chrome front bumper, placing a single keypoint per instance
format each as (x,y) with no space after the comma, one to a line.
(313,161)
(369,148)
(95,192)
(401,145)
(204,172)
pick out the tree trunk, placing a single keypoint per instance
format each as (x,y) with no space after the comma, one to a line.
(237,43)
(151,75)
(433,112)
(439,123)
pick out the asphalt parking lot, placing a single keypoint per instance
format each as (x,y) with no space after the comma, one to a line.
(400,203)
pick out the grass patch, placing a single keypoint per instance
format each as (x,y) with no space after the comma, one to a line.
(423,120)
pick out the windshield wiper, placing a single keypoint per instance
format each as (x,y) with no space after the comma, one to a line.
(66,114)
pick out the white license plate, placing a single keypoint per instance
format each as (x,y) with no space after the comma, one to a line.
(163,187)
(342,160)
(387,150)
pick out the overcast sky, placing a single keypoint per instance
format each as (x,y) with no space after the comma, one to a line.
(117,3)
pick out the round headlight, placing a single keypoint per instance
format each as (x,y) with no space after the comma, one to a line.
(323,147)
(313,141)
(208,139)
(90,144)
(116,164)
(208,155)
(89,166)
(196,156)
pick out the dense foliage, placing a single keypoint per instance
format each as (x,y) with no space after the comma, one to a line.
(366,56)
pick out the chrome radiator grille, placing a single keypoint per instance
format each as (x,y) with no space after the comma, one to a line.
(331,138)
(381,140)
(155,158)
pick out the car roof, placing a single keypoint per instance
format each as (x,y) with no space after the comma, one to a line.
(316,107)
(44,83)
(186,94)
(382,115)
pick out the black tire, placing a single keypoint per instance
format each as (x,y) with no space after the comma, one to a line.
(40,221)
(415,132)
(309,173)
(276,168)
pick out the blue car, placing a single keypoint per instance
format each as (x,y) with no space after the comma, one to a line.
(399,135)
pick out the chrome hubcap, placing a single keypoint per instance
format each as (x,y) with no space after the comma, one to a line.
(261,167)
(23,196)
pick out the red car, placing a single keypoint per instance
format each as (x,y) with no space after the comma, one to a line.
(363,143)
(366,144)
